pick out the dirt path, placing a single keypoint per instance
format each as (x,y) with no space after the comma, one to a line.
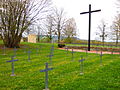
(78,50)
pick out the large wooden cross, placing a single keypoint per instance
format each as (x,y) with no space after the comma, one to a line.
(89,23)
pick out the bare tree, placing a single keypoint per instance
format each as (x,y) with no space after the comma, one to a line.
(50,26)
(70,28)
(102,33)
(116,29)
(17,16)
(59,18)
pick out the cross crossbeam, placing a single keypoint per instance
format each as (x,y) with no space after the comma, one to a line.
(46,70)
(12,60)
(81,60)
(90,12)
(50,55)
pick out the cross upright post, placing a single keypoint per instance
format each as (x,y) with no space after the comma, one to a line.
(12,60)
(46,75)
(89,23)
(50,58)
(66,52)
(40,48)
(112,51)
(52,49)
(14,50)
(86,52)
(37,50)
(51,54)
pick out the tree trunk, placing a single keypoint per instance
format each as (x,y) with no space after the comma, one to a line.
(117,41)
(59,32)
(38,36)
(103,41)
(58,37)
(12,42)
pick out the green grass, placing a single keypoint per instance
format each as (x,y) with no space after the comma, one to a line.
(66,73)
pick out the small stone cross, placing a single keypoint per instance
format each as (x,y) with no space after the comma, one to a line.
(29,56)
(12,60)
(72,54)
(46,75)
(101,58)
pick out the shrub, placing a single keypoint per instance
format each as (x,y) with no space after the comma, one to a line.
(61,45)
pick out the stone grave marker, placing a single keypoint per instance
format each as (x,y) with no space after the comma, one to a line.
(101,58)
(46,75)
(72,55)
(24,48)
(13,60)
(96,50)
(37,51)
(40,48)
(52,50)
(112,51)
(81,65)
(29,52)
(86,52)
(4,50)
(66,50)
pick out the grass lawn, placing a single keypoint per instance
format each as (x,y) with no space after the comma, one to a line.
(65,74)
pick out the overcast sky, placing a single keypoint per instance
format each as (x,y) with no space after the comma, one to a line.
(74,7)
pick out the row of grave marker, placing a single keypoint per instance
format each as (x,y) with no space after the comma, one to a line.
(46,64)
(51,55)
(15,50)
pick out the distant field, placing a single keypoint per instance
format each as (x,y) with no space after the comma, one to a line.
(65,74)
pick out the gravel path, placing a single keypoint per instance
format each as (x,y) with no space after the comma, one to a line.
(78,50)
